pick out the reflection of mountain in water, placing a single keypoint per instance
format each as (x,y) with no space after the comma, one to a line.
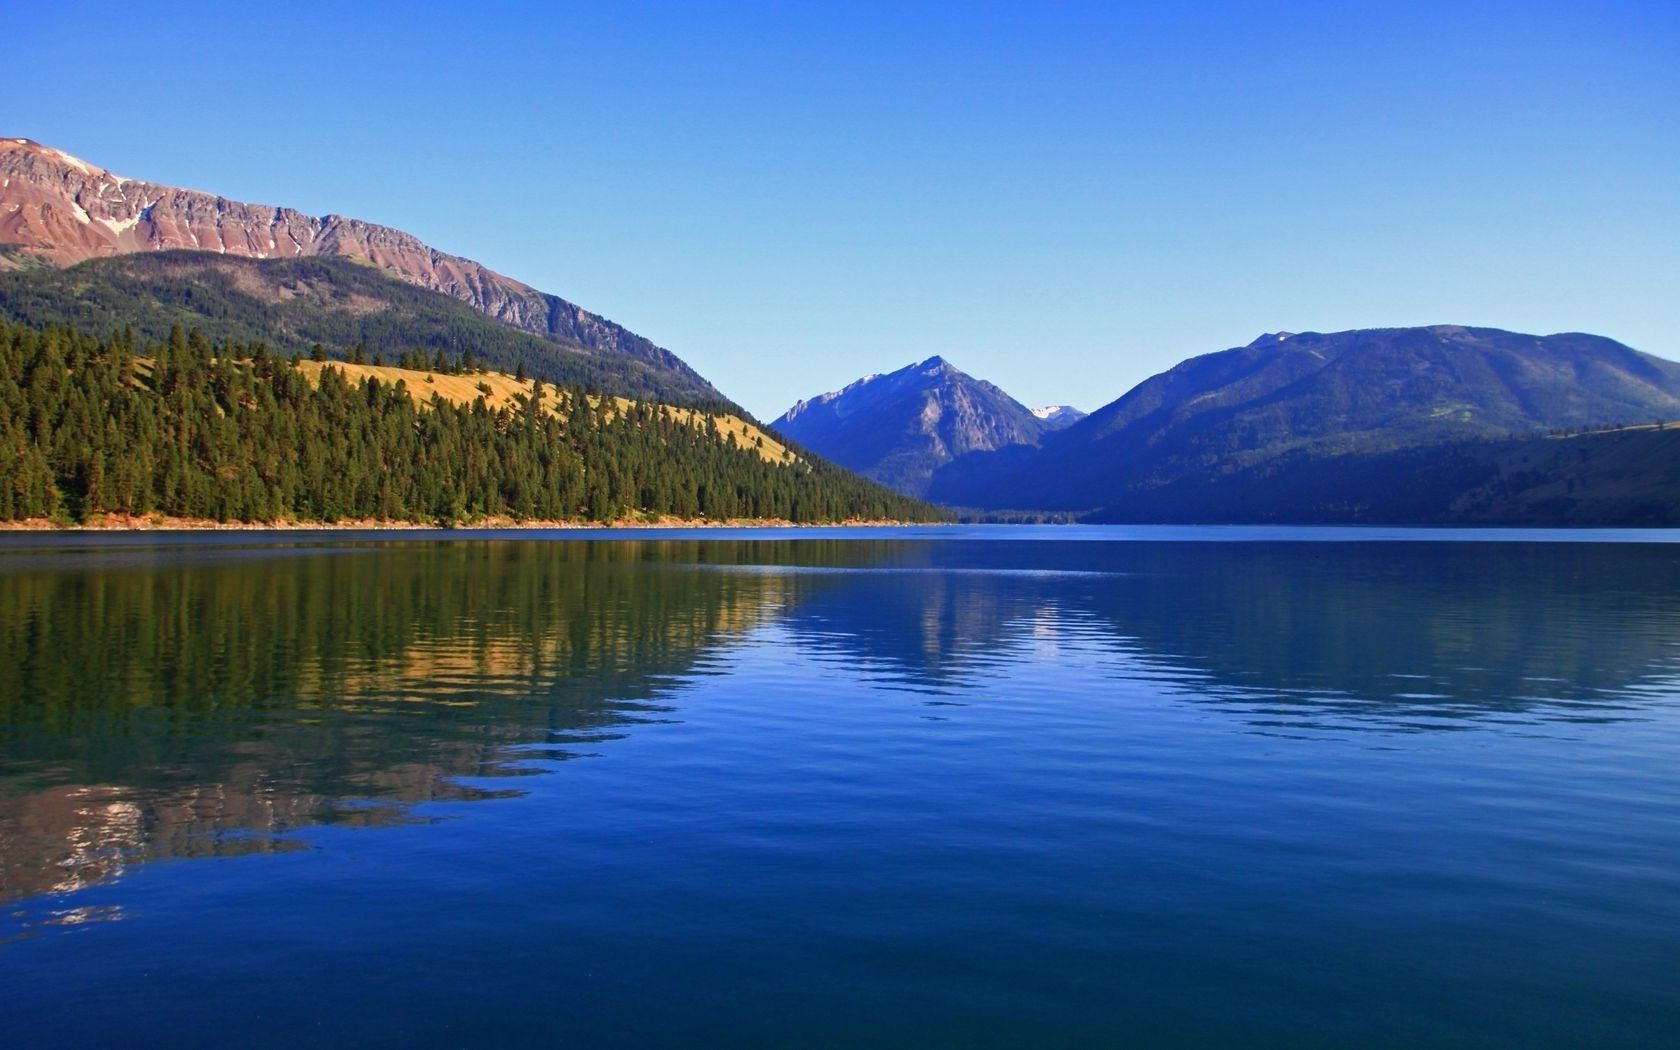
(202,702)
(1394,635)
(193,704)
(1409,635)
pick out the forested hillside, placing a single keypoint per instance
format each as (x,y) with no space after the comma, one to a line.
(230,432)
(1316,396)
(1628,476)
(294,304)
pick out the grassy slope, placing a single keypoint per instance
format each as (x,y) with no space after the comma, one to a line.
(509,392)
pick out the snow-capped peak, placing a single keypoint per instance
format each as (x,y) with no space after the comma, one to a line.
(1057,416)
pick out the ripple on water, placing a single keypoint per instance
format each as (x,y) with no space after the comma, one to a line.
(885,792)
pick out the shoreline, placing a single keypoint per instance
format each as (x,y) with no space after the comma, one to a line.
(166,523)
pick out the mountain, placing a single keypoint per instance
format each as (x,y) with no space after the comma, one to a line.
(293,304)
(1058,417)
(1316,397)
(57,210)
(900,427)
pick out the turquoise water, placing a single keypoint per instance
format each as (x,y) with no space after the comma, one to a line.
(996,786)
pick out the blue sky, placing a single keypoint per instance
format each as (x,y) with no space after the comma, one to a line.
(1061,198)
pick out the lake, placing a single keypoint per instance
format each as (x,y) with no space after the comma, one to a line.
(906,787)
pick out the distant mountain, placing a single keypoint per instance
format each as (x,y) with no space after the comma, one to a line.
(57,210)
(1058,417)
(1315,397)
(900,427)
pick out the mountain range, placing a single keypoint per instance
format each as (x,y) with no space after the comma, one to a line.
(1320,396)
(1441,423)
(901,427)
(166,352)
(1436,424)
(57,211)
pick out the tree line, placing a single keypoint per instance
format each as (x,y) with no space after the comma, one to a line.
(229,432)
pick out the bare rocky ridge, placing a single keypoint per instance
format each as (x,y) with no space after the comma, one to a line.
(58,210)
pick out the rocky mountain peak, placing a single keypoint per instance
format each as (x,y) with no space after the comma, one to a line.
(899,427)
(23,147)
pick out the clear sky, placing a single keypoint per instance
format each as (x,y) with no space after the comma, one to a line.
(1061,198)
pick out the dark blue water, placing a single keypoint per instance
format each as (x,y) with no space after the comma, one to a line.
(931,787)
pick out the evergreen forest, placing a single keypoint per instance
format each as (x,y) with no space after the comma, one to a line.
(229,432)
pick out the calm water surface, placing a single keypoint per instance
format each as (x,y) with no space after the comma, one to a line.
(924,787)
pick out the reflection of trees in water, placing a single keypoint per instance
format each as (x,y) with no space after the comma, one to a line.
(1410,635)
(197,703)
(1396,635)
(188,709)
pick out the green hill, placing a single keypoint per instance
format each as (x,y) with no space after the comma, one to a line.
(293,304)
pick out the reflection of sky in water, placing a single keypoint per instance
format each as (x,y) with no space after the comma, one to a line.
(914,792)
(184,702)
